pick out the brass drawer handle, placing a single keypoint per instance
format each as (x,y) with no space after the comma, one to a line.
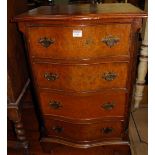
(55,104)
(46,42)
(108,106)
(109,76)
(57,129)
(110,41)
(107,130)
(51,76)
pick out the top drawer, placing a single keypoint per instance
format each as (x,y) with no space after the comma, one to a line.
(79,42)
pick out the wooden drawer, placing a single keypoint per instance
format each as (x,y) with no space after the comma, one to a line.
(84,106)
(97,41)
(84,132)
(81,77)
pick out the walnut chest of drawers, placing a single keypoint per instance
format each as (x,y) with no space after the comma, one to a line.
(83,60)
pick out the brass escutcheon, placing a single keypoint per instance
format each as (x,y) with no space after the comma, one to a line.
(109,76)
(51,76)
(110,40)
(46,42)
(107,130)
(55,104)
(108,106)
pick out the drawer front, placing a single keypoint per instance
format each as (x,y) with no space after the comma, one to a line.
(86,106)
(81,77)
(81,42)
(84,132)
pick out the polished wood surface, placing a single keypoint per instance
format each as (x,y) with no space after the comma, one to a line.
(81,77)
(66,67)
(84,106)
(82,12)
(89,132)
(90,44)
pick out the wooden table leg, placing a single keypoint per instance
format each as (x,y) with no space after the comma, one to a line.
(14,114)
(142,69)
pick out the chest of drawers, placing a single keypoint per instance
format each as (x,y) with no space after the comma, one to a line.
(83,59)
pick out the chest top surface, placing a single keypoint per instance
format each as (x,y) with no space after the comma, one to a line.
(82,12)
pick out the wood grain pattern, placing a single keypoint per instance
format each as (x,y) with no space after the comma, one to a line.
(81,77)
(82,66)
(82,12)
(90,44)
(84,107)
(84,132)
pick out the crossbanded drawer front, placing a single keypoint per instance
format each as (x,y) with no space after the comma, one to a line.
(81,77)
(96,41)
(84,132)
(85,106)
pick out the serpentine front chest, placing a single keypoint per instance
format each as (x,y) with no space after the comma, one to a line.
(83,60)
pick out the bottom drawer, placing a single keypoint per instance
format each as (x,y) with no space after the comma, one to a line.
(85,132)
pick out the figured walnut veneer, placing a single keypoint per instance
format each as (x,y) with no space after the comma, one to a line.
(83,60)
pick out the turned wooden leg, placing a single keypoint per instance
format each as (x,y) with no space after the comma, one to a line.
(142,70)
(15,116)
(20,132)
